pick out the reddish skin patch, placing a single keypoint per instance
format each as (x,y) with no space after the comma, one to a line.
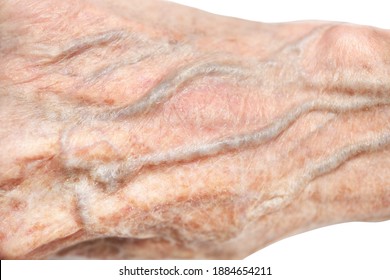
(18,205)
(36,227)
(10,184)
(102,151)
(2,237)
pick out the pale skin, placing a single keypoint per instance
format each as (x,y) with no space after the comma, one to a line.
(145,129)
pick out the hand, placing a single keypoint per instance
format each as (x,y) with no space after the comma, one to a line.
(126,133)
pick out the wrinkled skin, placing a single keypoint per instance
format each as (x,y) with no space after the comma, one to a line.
(144,129)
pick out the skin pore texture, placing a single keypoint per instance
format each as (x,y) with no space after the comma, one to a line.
(149,130)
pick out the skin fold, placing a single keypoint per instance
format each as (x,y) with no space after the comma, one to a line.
(149,130)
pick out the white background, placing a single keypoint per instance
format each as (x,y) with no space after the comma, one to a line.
(369,12)
(346,251)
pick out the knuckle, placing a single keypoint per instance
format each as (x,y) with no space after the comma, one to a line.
(352,46)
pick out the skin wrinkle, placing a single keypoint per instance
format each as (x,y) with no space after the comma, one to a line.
(95,76)
(79,46)
(298,145)
(321,168)
(116,39)
(146,51)
(349,84)
(112,172)
(81,200)
(71,239)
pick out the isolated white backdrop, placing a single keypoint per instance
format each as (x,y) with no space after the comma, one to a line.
(367,12)
(350,250)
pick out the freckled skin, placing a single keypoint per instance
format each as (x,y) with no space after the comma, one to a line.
(152,200)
